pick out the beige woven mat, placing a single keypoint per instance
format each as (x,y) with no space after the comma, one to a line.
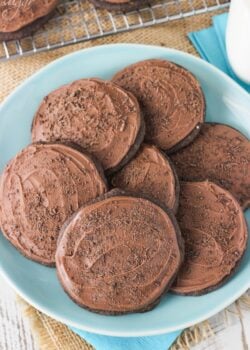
(172,34)
(52,335)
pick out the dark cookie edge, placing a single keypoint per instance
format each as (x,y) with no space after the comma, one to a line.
(28,29)
(132,5)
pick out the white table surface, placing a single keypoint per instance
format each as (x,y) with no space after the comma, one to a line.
(230,332)
(15,332)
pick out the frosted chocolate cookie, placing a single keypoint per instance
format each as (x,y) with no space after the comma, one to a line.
(171,100)
(40,188)
(150,173)
(220,154)
(215,234)
(120,5)
(119,254)
(21,18)
(97,115)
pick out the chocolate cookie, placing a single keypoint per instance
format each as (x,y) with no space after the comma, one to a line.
(120,5)
(220,154)
(171,100)
(119,254)
(215,234)
(40,188)
(22,18)
(99,116)
(150,173)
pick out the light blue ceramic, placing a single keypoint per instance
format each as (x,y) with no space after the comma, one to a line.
(226,103)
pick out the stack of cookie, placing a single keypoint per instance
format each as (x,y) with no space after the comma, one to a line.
(120,176)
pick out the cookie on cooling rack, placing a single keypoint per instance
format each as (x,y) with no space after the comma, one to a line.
(119,254)
(40,188)
(22,18)
(120,5)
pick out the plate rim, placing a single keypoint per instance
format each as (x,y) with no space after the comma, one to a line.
(124,334)
(97,330)
(128,45)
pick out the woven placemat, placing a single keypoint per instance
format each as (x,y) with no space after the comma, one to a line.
(52,335)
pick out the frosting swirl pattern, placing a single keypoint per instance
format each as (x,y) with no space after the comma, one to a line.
(171,100)
(220,154)
(119,254)
(97,115)
(39,189)
(215,234)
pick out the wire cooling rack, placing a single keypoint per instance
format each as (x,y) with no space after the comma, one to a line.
(77,21)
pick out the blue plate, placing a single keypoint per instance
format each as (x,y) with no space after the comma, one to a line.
(226,103)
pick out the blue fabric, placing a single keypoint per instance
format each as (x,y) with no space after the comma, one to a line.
(210,43)
(103,342)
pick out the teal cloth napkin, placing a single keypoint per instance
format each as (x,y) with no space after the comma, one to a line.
(210,43)
(104,342)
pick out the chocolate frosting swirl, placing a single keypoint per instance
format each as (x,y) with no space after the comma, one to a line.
(171,99)
(97,115)
(215,234)
(39,189)
(16,14)
(119,254)
(150,173)
(220,154)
